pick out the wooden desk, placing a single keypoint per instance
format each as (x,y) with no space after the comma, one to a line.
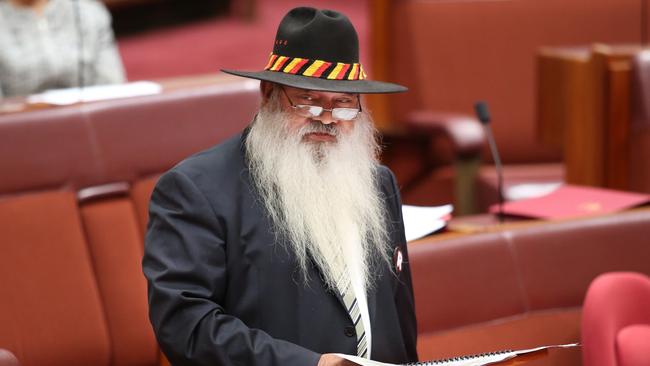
(20,104)
(487,223)
(583,99)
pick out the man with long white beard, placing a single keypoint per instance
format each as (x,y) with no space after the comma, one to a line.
(285,245)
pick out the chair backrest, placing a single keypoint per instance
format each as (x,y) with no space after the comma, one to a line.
(7,358)
(73,199)
(615,302)
(51,311)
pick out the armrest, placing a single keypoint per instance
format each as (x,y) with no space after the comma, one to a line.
(464,132)
(7,358)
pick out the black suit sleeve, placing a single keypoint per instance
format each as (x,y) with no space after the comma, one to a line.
(185,265)
(403,293)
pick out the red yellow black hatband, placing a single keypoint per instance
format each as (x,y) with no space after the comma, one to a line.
(315,68)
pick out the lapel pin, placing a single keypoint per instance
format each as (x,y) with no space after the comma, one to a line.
(398,258)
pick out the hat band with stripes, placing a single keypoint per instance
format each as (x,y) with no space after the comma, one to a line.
(315,68)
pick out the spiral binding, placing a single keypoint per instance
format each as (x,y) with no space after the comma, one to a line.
(455,359)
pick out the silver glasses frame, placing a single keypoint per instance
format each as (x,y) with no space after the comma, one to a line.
(308,110)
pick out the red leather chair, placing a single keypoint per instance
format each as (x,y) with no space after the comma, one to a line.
(73,206)
(7,358)
(616,320)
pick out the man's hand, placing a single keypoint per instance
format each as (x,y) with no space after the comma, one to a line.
(330,359)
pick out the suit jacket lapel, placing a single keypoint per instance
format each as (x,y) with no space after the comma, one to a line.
(333,291)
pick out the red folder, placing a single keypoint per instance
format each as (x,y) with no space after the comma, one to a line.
(573,201)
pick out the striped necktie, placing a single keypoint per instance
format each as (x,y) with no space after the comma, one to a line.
(347,294)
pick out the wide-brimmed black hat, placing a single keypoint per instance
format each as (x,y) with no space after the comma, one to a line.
(318,50)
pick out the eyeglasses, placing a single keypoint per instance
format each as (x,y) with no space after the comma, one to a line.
(311,111)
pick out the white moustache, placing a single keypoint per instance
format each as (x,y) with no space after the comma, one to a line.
(318,127)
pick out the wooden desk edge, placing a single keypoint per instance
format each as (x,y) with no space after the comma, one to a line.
(524,224)
(169,85)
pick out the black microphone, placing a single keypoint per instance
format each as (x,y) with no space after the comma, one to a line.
(483,115)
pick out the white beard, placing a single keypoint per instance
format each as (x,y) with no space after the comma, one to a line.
(322,197)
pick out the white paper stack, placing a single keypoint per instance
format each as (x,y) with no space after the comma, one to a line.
(95,93)
(421,221)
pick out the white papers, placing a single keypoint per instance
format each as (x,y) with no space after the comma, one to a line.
(95,93)
(421,221)
(363,361)
(530,190)
(481,361)
(478,360)
(484,360)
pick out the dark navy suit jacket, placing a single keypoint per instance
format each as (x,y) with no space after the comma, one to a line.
(223,291)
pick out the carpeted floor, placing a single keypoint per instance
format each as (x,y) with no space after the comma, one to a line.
(207,46)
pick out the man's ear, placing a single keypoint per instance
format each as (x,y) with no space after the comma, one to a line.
(266,88)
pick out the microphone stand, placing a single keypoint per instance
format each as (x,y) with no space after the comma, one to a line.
(483,115)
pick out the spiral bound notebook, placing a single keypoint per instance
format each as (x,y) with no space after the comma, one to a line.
(471,360)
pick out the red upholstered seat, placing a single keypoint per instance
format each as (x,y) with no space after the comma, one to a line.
(140,194)
(7,358)
(115,245)
(74,192)
(633,345)
(520,285)
(51,312)
(616,320)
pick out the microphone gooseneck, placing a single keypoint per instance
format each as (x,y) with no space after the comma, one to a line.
(483,115)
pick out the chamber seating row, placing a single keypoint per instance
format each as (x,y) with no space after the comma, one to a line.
(520,286)
(73,205)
